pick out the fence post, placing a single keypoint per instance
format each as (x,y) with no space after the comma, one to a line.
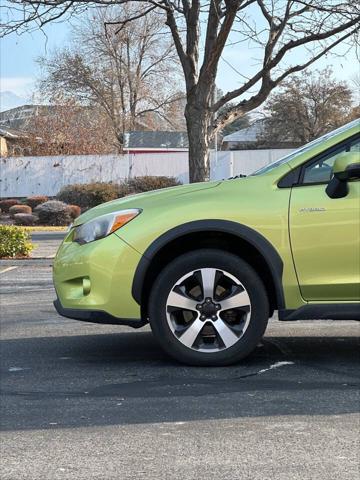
(130,164)
(231,164)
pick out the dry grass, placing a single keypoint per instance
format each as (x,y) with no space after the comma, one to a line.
(45,229)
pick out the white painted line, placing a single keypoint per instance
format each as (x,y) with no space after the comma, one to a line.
(26,289)
(8,269)
(18,369)
(275,365)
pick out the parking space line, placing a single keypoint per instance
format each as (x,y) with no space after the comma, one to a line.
(7,269)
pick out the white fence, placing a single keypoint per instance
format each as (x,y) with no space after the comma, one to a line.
(24,176)
(231,163)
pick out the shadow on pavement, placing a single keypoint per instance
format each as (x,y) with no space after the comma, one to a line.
(114,379)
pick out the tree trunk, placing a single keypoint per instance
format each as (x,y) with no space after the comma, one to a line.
(198,121)
(120,137)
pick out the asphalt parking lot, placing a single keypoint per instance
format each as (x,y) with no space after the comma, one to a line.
(82,401)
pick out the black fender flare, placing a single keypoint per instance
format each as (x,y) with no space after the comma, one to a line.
(258,241)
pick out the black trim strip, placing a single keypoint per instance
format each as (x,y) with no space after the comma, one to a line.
(290,178)
(262,245)
(323,311)
(96,316)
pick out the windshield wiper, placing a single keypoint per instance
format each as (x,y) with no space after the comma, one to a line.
(241,175)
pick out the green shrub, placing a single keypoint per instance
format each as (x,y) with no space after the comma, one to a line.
(14,241)
(88,195)
(6,204)
(53,212)
(19,209)
(147,183)
(36,200)
(25,219)
(75,211)
(123,189)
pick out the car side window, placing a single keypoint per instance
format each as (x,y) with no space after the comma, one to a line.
(321,171)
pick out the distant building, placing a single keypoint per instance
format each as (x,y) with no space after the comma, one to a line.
(13,142)
(21,117)
(251,138)
(159,141)
(21,124)
(16,142)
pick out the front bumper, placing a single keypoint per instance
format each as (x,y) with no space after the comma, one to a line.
(96,316)
(93,282)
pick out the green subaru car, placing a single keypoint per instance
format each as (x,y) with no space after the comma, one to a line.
(207,264)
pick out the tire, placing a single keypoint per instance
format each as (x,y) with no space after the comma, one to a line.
(197,331)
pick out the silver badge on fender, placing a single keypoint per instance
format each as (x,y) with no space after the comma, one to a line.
(312,209)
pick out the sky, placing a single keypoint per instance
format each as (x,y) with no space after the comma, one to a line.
(19,70)
(18,54)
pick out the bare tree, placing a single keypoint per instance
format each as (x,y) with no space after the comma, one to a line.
(238,124)
(306,107)
(69,129)
(127,73)
(281,31)
(355,83)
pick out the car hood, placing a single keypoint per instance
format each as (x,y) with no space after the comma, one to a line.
(143,200)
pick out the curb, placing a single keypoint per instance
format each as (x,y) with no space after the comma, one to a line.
(30,262)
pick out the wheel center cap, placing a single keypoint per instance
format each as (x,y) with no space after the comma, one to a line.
(208,309)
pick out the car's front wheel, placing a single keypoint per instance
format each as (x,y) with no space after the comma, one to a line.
(208,307)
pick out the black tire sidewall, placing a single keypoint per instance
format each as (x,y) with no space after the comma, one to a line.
(208,258)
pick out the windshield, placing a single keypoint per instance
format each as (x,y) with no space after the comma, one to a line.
(305,148)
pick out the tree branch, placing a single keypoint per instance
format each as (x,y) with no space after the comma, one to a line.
(268,85)
(271,63)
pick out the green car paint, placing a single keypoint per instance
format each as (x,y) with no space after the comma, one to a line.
(316,237)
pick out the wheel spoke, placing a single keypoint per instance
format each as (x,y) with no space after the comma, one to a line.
(190,335)
(208,281)
(238,300)
(180,301)
(225,332)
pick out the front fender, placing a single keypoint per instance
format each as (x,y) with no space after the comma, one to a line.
(258,241)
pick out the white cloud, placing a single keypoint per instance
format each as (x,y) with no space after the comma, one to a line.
(23,86)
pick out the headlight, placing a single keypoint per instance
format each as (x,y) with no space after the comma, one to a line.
(102,226)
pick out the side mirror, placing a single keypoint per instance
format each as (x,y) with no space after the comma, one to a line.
(346,167)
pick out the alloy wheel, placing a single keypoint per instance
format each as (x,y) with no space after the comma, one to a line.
(208,310)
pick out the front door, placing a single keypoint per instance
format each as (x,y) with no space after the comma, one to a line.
(325,232)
